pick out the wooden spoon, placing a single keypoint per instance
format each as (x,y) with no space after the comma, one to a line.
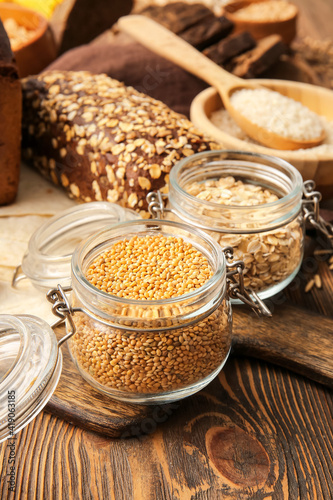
(170,46)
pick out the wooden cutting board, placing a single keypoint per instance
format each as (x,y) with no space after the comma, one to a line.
(295,337)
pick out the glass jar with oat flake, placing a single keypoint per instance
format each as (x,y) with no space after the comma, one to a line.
(248,201)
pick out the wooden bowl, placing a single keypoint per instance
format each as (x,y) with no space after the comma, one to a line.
(34,55)
(316,165)
(259,29)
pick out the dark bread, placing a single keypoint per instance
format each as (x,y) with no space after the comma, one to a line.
(178,16)
(102,140)
(256,61)
(10,121)
(210,30)
(229,47)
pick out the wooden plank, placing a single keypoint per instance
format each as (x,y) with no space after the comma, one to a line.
(256,432)
(296,338)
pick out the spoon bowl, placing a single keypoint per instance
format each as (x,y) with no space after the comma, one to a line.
(170,46)
(262,135)
(315,164)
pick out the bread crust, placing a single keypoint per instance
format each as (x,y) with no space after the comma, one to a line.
(101,140)
(10,122)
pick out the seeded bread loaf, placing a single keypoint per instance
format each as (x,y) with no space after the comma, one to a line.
(10,121)
(102,140)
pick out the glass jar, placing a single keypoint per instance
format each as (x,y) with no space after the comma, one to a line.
(137,351)
(268,237)
(47,261)
(30,368)
(150,351)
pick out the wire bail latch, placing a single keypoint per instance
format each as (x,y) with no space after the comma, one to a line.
(61,308)
(155,204)
(310,205)
(236,287)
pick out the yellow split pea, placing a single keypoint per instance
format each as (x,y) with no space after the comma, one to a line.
(150,268)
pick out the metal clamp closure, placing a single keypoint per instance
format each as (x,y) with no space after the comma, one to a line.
(236,288)
(62,309)
(310,205)
(155,204)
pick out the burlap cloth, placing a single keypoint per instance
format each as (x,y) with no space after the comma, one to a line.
(122,58)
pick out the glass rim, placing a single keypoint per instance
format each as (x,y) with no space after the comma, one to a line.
(297,180)
(16,324)
(82,250)
(39,358)
(45,268)
(38,238)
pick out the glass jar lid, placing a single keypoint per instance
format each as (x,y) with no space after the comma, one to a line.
(30,367)
(47,261)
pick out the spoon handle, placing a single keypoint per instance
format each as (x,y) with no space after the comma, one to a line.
(170,46)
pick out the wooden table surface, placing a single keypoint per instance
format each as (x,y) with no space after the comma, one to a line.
(268,435)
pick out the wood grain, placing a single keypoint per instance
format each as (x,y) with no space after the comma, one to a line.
(294,338)
(280,423)
(256,432)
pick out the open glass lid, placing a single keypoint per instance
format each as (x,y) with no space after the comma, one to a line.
(47,261)
(30,367)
